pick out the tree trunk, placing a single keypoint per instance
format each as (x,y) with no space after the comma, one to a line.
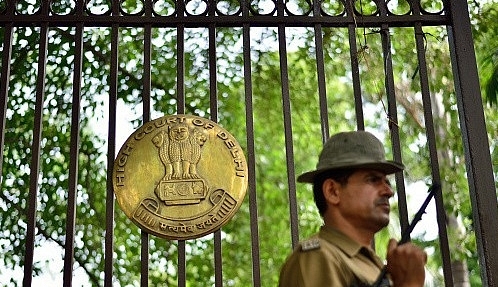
(460,274)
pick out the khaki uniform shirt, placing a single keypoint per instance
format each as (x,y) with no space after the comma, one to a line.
(330,259)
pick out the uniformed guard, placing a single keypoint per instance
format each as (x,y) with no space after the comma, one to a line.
(352,193)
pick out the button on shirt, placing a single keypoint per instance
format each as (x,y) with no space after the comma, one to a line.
(330,259)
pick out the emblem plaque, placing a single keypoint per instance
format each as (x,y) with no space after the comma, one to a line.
(180,177)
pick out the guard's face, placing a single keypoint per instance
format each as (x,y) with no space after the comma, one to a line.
(364,200)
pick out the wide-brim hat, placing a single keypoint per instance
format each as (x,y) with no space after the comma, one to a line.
(352,150)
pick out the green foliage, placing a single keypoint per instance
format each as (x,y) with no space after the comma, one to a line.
(487,48)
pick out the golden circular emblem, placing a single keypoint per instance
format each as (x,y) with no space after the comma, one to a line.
(180,177)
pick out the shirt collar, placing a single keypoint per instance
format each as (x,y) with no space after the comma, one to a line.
(341,240)
(348,245)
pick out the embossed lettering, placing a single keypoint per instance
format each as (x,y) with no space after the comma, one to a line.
(120,179)
(183,228)
(177,229)
(175,120)
(160,122)
(144,130)
(197,122)
(122,160)
(239,164)
(121,164)
(229,143)
(201,123)
(222,135)
(234,151)
(128,149)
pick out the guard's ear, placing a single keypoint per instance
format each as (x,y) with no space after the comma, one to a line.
(331,191)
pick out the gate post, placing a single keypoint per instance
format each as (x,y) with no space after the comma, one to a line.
(475,140)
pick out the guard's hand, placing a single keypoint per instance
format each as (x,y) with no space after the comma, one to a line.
(405,264)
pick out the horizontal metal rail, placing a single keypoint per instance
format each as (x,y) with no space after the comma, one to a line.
(225,21)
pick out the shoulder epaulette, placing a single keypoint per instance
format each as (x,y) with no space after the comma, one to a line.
(310,244)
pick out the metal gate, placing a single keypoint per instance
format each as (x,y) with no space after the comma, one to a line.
(354,18)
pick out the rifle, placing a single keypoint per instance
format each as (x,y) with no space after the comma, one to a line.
(405,235)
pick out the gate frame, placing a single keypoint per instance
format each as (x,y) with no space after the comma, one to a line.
(469,101)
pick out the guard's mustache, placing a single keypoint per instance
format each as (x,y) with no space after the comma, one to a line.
(382,201)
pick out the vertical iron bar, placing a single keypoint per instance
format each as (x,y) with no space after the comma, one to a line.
(218,263)
(147,87)
(475,140)
(392,118)
(73,160)
(431,141)
(144,258)
(35,156)
(111,151)
(289,151)
(355,68)
(4,88)
(146,93)
(213,84)
(180,90)
(180,66)
(251,161)
(146,117)
(355,74)
(322,89)
(286,110)
(213,71)
(293,213)
(213,103)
